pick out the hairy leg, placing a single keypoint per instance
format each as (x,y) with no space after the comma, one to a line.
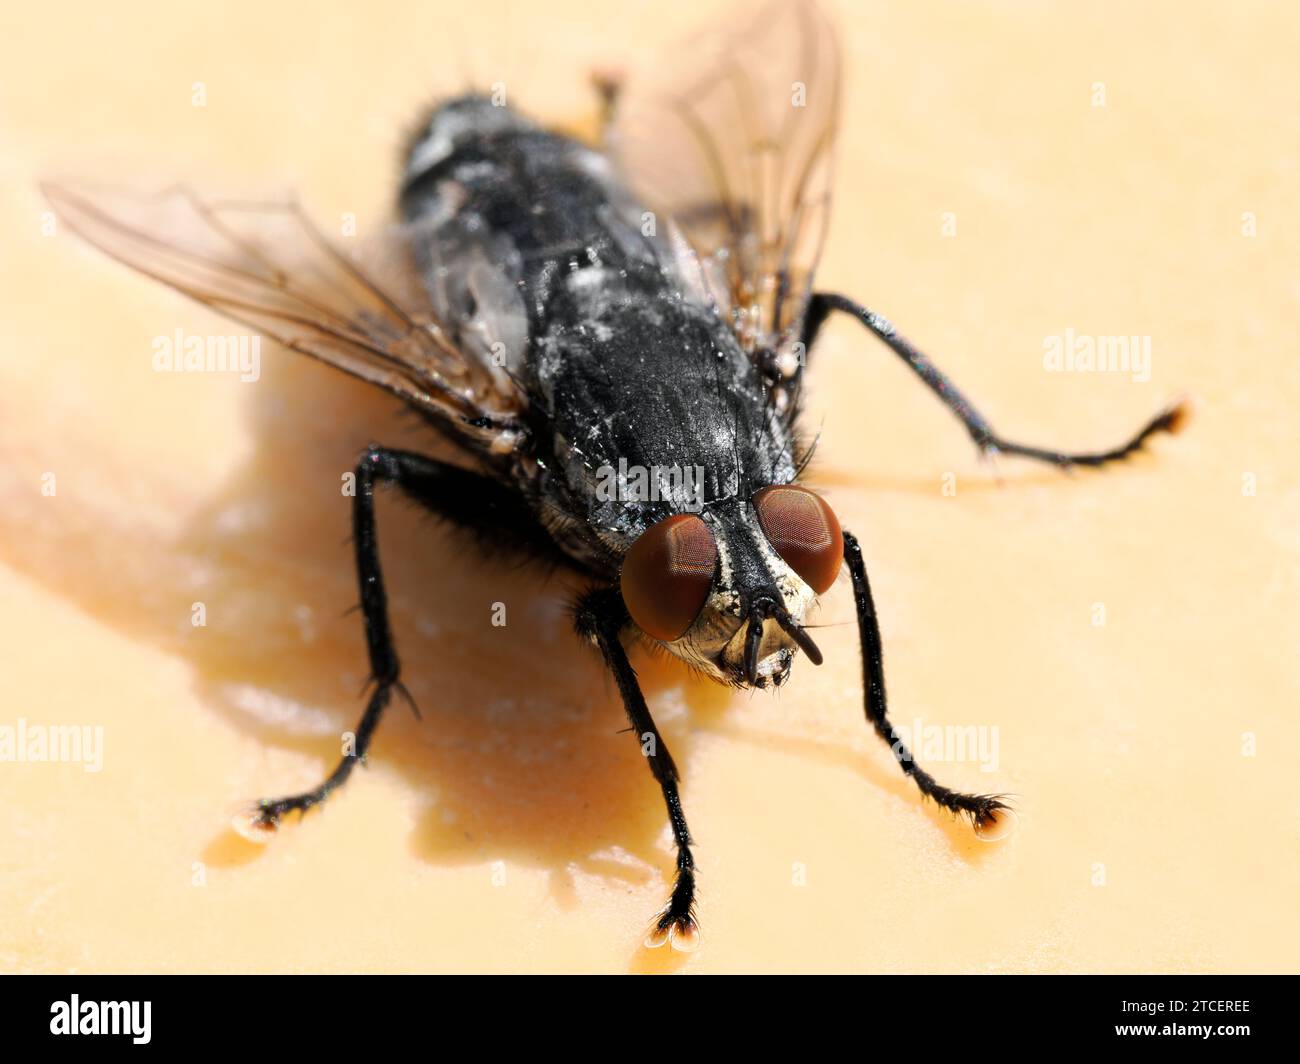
(602,617)
(461,496)
(984,810)
(986,439)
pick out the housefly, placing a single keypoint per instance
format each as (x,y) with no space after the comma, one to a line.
(615,339)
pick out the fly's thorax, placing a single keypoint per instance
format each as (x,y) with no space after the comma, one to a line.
(653,410)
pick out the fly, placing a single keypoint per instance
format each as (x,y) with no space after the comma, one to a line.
(615,339)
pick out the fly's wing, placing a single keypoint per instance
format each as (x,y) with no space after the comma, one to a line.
(266,266)
(733,141)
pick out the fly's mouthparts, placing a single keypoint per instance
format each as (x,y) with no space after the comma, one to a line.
(761,610)
(797,633)
(754,637)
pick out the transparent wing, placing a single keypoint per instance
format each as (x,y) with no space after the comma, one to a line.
(733,140)
(266,266)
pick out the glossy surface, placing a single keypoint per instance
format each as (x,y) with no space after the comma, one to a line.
(804,531)
(1147,838)
(667,574)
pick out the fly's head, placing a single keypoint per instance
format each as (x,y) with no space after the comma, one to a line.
(729,590)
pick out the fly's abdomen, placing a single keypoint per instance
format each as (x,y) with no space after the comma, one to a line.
(502,213)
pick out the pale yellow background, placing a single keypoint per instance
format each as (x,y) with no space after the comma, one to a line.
(514,828)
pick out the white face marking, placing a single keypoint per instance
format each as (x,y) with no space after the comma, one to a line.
(719,632)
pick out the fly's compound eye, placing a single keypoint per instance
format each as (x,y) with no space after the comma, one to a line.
(667,574)
(804,531)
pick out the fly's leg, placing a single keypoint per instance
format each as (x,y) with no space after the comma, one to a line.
(608,85)
(456,494)
(988,441)
(987,812)
(602,617)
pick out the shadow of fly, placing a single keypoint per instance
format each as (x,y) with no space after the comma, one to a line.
(615,339)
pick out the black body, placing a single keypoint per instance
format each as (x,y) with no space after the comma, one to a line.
(622,361)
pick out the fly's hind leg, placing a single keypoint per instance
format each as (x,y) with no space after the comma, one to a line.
(986,439)
(602,618)
(457,494)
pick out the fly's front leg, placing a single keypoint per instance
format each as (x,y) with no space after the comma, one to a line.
(988,812)
(602,617)
(424,480)
(986,439)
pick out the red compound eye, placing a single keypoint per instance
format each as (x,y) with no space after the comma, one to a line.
(667,574)
(804,531)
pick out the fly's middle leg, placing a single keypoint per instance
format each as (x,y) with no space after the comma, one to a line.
(986,439)
(602,617)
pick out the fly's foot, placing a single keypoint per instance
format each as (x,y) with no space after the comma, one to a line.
(680,931)
(253,823)
(991,817)
(676,925)
(258,821)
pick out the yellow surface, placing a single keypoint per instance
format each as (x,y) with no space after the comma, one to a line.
(514,828)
